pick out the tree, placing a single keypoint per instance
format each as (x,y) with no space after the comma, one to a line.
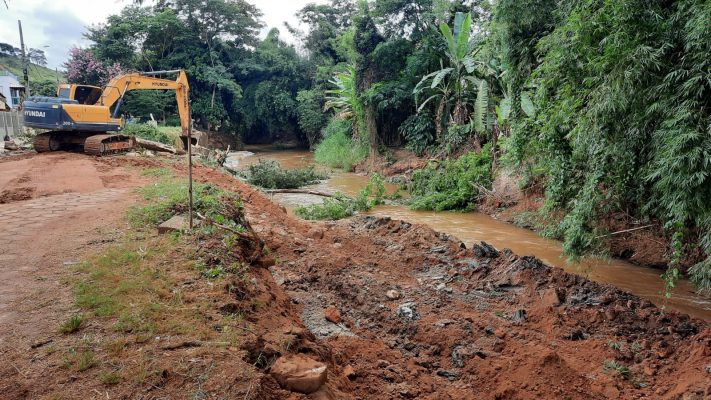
(366,40)
(8,50)
(37,56)
(84,68)
(312,120)
(453,84)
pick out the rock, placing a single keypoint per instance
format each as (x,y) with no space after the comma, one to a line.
(485,250)
(316,233)
(610,314)
(553,297)
(349,372)
(444,322)
(332,314)
(175,224)
(407,311)
(299,373)
(649,371)
(392,294)
(519,316)
(452,376)
(11,145)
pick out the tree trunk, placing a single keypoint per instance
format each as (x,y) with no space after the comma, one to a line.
(440,115)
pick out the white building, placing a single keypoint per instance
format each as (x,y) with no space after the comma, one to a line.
(11,88)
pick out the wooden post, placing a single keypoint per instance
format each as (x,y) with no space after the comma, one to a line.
(4,121)
(190,169)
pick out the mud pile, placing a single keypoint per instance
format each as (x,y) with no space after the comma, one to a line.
(422,315)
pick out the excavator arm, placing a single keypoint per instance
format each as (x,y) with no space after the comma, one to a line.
(117,88)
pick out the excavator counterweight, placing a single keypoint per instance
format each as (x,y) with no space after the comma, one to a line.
(81,116)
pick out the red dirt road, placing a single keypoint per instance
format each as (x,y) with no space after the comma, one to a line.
(54,209)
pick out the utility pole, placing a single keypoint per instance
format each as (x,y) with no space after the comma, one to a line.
(25,67)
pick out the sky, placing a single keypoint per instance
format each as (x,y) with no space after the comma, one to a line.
(57,25)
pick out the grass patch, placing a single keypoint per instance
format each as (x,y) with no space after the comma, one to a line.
(338,149)
(615,368)
(341,206)
(270,175)
(109,378)
(73,324)
(169,196)
(451,184)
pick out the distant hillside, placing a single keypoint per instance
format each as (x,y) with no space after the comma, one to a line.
(38,73)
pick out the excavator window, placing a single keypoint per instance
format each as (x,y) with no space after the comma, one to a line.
(88,95)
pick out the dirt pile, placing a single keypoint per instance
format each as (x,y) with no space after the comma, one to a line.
(366,308)
(471,322)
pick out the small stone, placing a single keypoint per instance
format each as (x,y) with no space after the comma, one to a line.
(349,372)
(175,224)
(316,233)
(649,371)
(519,316)
(332,314)
(299,373)
(407,311)
(452,376)
(392,294)
(11,145)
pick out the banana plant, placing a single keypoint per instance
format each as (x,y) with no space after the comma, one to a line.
(452,84)
(344,98)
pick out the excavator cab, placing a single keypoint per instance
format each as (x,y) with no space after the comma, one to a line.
(83,94)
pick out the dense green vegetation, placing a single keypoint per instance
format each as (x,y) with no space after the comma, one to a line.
(270,175)
(341,206)
(452,184)
(606,103)
(148,132)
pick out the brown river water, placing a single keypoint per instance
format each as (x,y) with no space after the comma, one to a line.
(474,227)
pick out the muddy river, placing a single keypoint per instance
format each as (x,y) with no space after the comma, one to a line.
(475,227)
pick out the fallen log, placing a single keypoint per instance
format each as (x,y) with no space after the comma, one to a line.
(299,191)
(155,146)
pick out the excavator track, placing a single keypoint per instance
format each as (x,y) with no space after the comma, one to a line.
(46,142)
(99,145)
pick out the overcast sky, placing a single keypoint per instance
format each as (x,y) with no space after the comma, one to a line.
(59,24)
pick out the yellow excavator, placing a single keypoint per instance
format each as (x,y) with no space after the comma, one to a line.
(81,116)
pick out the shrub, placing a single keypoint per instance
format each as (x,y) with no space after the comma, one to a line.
(310,113)
(340,206)
(453,184)
(148,132)
(73,324)
(338,149)
(270,175)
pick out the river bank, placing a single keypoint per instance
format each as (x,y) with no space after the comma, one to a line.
(495,228)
